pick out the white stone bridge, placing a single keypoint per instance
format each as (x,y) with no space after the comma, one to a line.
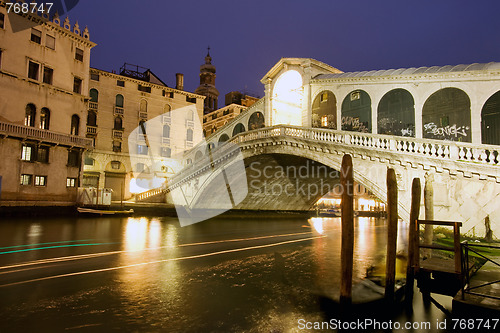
(466,176)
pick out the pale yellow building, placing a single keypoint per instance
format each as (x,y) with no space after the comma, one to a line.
(44,77)
(118,104)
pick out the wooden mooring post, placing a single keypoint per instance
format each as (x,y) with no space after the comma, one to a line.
(413,256)
(347,247)
(392,234)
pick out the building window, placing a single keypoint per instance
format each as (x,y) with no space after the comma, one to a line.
(143,106)
(75,124)
(50,42)
(119,101)
(142,149)
(92,119)
(48,74)
(324,121)
(29,118)
(118,126)
(144,88)
(117,146)
(189,135)
(36,36)
(94,76)
(323,97)
(140,167)
(115,165)
(77,85)
(26,179)
(142,127)
(42,154)
(120,83)
(40,180)
(45,119)
(2,21)
(79,54)
(89,161)
(33,68)
(73,158)
(28,152)
(166,131)
(94,95)
(166,152)
(70,182)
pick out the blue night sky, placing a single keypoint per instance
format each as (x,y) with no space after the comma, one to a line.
(248,37)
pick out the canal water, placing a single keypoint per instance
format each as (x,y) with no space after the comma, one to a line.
(143,274)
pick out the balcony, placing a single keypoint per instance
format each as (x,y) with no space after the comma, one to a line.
(92,130)
(118,134)
(189,144)
(189,123)
(141,138)
(143,115)
(118,111)
(165,141)
(93,106)
(25,132)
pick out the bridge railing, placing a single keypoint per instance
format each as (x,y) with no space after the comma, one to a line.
(446,150)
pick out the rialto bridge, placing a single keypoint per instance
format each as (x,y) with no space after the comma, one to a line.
(439,121)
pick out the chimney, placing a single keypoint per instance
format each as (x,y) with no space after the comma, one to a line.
(179,81)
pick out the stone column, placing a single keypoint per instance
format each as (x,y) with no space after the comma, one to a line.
(268,118)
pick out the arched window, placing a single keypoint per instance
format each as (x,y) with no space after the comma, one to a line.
(396,113)
(357,112)
(94,95)
(190,115)
(29,118)
(75,125)
(167,108)
(256,121)
(324,110)
(198,155)
(223,138)
(166,131)
(45,119)
(446,116)
(119,101)
(118,126)
(144,106)
(490,120)
(91,118)
(189,135)
(239,128)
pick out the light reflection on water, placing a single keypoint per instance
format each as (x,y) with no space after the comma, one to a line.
(267,289)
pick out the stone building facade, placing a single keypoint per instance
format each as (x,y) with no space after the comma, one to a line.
(119,104)
(44,76)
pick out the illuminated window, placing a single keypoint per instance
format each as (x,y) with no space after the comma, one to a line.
(40,180)
(45,119)
(27,153)
(70,182)
(29,116)
(36,36)
(324,121)
(79,54)
(324,97)
(50,42)
(26,179)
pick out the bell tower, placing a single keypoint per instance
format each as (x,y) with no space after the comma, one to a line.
(207,85)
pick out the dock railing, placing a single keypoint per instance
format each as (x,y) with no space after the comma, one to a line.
(466,288)
(456,242)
